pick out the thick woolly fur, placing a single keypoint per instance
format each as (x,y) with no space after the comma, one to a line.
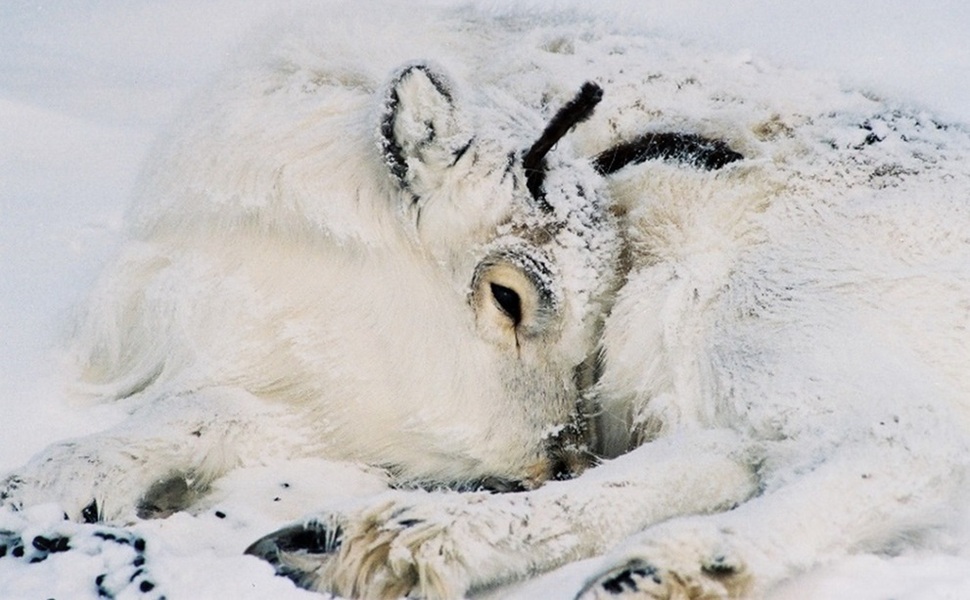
(308,273)
(783,374)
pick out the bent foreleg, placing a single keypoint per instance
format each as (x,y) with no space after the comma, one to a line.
(156,461)
(441,545)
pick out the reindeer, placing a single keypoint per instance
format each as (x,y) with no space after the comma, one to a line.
(437,331)
(410,274)
(435,279)
(783,372)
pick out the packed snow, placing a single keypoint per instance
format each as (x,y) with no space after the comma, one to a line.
(85,89)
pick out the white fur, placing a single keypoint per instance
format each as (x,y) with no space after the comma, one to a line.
(790,338)
(284,292)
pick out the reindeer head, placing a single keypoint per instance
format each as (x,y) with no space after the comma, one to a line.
(523,229)
(427,280)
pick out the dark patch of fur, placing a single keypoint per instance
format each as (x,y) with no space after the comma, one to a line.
(688,148)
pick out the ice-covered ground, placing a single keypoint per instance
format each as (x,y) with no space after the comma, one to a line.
(84,88)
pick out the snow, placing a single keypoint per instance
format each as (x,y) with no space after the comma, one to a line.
(84,89)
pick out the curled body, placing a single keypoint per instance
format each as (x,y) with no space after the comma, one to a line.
(360,258)
(783,376)
(744,288)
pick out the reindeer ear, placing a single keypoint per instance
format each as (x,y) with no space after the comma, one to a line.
(421,133)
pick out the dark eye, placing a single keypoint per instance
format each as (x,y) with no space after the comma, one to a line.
(508,301)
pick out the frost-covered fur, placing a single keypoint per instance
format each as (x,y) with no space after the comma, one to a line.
(784,371)
(336,255)
(788,354)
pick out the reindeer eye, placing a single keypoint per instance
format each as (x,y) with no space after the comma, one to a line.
(508,300)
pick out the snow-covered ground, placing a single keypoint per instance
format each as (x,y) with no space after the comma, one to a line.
(85,87)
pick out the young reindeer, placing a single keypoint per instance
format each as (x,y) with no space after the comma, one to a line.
(784,377)
(400,275)
(787,362)
(424,301)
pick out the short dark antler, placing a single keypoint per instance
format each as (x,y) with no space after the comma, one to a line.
(575,111)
